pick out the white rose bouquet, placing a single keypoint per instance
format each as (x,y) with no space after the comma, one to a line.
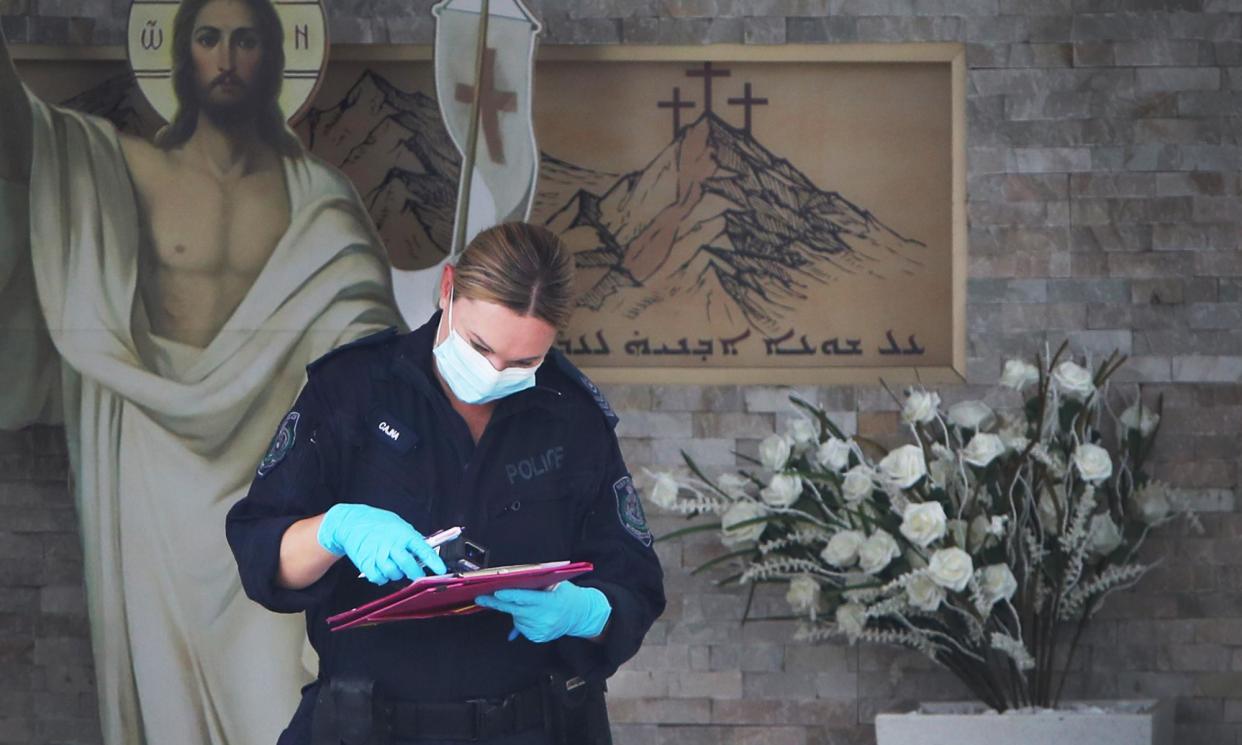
(977,544)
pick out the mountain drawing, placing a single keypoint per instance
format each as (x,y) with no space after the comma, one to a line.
(394,147)
(559,181)
(717,217)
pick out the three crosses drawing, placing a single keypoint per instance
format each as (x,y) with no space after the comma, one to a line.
(707,72)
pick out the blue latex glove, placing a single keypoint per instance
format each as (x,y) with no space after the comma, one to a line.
(544,615)
(382,545)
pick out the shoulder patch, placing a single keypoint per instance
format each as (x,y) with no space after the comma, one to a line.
(282,443)
(630,510)
(581,380)
(369,340)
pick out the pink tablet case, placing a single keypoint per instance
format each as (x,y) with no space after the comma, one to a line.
(452,594)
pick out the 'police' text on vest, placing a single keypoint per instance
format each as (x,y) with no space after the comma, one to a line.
(527,469)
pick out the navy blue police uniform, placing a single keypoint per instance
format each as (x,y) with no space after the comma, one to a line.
(545,482)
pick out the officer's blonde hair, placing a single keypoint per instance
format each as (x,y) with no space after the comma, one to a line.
(525,268)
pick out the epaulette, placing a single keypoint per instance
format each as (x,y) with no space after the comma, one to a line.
(369,340)
(581,380)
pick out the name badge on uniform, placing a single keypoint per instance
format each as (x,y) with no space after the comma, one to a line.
(392,431)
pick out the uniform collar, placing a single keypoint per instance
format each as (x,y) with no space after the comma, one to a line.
(414,363)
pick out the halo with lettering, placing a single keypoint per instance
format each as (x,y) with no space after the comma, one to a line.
(149,42)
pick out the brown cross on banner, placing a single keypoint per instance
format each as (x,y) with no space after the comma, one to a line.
(707,73)
(747,102)
(676,105)
(491,103)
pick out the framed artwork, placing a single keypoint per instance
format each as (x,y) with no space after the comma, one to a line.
(788,214)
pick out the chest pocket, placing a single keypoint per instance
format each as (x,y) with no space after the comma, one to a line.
(538,520)
(386,469)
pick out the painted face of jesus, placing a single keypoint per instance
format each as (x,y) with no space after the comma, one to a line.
(227,52)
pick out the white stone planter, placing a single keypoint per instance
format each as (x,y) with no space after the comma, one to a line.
(1142,722)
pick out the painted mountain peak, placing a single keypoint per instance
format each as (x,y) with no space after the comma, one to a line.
(718,216)
(395,149)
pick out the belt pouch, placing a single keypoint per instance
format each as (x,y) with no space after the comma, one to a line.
(347,713)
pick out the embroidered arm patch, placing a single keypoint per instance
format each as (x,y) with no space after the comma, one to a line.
(282,443)
(630,510)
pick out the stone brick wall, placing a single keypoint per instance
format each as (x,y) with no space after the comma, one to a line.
(1104,194)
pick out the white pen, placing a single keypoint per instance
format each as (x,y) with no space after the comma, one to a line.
(435,540)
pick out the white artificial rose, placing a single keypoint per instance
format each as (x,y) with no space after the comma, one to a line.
(803,433)
(774,452)
(877,552)
(923,522)
(1152,502)
(996,583)
(842,548)
(733,485)
(923,593)
(940,472)
(783,490)
(920,406)
(1093,462)
(833,454)
(940,452)
(859,483)
(974,415)
(1073,380)
(1140,417)
(1103,536)
(664,491)
(740,512)
(904,466)
(803,594)
(951,568)
(852,619)
(1019,374)
(982,449)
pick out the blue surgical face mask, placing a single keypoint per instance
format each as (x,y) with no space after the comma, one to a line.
(468,373)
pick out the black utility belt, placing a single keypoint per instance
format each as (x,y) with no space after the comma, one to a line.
(348,712)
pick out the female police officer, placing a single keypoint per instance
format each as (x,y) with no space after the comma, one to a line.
(472,420)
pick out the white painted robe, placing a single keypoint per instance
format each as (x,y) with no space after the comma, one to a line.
(163,437)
